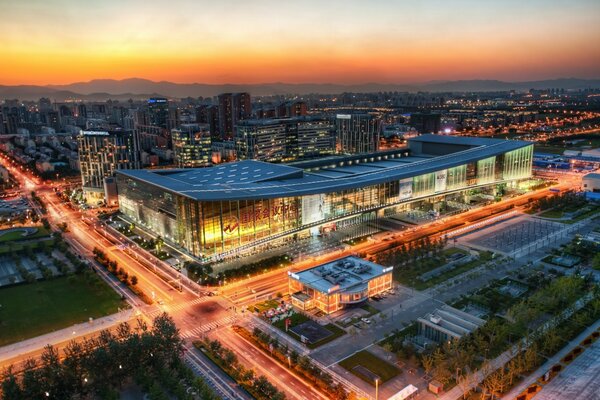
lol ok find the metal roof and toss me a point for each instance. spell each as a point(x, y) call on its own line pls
point(349, 274)
point(252, 180)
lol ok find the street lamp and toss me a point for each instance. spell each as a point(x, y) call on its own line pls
point(377, 388)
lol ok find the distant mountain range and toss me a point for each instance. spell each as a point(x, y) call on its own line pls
point(136, 88)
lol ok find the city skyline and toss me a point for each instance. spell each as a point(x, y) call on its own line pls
point(61, 41)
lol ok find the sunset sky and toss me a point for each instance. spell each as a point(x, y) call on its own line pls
point(245, 41)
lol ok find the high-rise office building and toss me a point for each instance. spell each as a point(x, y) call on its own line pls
point(158, 111)
point(101, 153)
point(292, 109)
point(192, 145)
point(52, 119)
point(233, 107)
point(11, 123)
point(426, 122)
point(2, 122)
point(284, 139)
point(45, 104)
point(357, 133)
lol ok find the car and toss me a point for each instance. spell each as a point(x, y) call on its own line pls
point(366, 320)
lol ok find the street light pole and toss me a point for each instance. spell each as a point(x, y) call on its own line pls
point(377, 389)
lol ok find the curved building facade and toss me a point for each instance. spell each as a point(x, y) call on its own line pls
point(218, 211)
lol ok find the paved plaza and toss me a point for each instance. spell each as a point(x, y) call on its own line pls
point(510, 235)
point(580, 380)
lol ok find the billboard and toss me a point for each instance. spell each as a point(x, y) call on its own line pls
point(406, 188)
point(440, 180)
point(312, 208)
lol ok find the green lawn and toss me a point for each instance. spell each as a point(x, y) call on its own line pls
point(409, 274)
point(552, 214)
point(376, 365)
point(16, 235)
point(266, 305)
point(590, 213)
point(34, 309)
point(16, 246)
point(459, 269)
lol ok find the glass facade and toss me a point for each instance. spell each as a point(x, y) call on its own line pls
point(332, 302)
point(214, 228)
point(192, 146)
point(517, 163)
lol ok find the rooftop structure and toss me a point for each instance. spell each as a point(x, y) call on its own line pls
point(447, 323)
point(333, 285)
point(247, 180)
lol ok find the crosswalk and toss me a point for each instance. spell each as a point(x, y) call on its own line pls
point(209, 327)
point(176, 307)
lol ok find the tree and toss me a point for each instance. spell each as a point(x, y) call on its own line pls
point(465, 382)
point(10, 388)
point(551, 342)
point(134, 280)
point(596, 262)
point(515, 368)
point(247, 376)
point(427, 361)
point(531, 357)
point(158, 243)
point(496, 382)
point(31, 382)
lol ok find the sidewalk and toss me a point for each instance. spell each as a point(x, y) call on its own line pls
point(27, 346)
point(551, 361)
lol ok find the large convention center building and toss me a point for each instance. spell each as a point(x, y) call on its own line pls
point(220, 211)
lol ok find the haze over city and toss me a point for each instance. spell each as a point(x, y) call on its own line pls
point(62, 41)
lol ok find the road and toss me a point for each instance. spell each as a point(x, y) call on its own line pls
point(252, 357)
point(190, 311)
point(249, 291)
point(194, 313)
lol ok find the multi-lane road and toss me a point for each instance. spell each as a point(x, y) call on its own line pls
point(250, 290)
point(197, 314)
point(194, 313)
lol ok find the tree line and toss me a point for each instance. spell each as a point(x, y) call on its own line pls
point(98, 367)
point(258, 386)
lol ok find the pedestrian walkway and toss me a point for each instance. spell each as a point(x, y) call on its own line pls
point(551, 361)
point(198, 331)
point(30, 345)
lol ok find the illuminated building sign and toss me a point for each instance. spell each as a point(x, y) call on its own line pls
point(231, 225)
point(440, 180)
